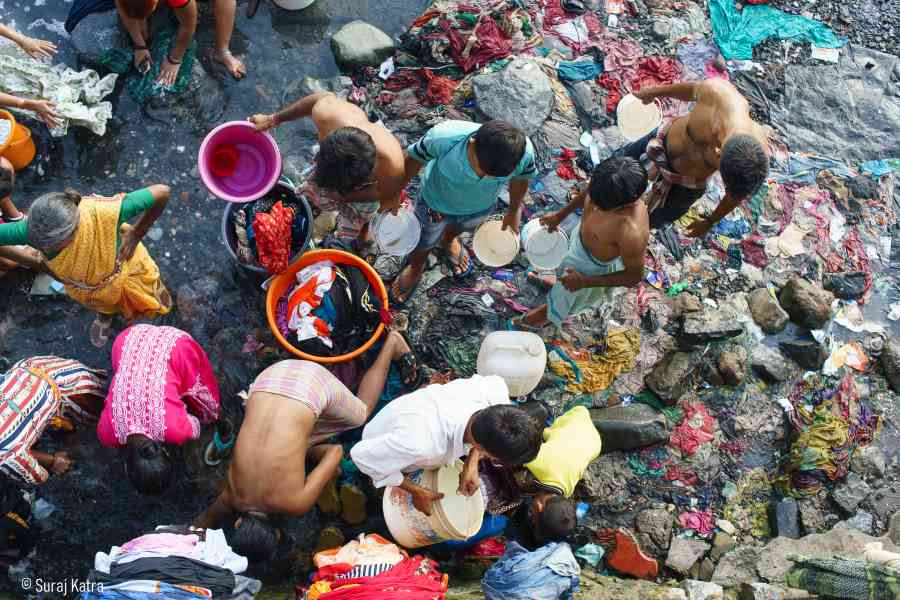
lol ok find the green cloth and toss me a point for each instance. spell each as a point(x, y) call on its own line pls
point(737, 32)
point(673, 414)
point(134, 203)
point(843, 578)
point(143, 87)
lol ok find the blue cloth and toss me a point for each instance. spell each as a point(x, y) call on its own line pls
point(732, 228)
point(877, 168)
point(326, 311)
point(449, 183)
point(167, 591)
point(434, 223)
point(737, 32)
point(805, 167)
point(578, 70)
point(82, 8)
point(549, 573)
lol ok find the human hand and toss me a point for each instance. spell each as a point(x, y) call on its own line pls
point(572, 280)
point(423, 499)
point(61, 463)
point(469, 482)
point(142, 60)
point(699, 228)
point(46, 110)
point(167, 73)
point(264, 122)
point(128, 241)
point(511, 221)
point(645, 95)
point(551, 221)
point(38, 48)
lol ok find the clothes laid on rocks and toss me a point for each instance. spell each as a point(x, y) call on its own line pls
point(424, 429)
point(36, 393)
point(212, 549)
point(450, 185)
point(175, 570)
point(587, 371)
point(843, 578)
point(570, 445)
point(561, 303)
point(548, 573)
point(335, 407)
point(160, 373)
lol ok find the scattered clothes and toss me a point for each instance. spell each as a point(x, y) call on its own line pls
point(588, 373)
point(703, 523)
point(696, 429)
point(369, 549)
point(591, 553)
point(549, 573)
point(843, 578)
point(578, 70)
point(175, 570)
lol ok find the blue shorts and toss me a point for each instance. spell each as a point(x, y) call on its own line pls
point(435, 223)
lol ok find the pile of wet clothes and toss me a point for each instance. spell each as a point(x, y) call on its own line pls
point(271, 230)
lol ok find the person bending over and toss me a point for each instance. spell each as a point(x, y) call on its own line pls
point(294, 407)
point(359, 168)
point(438, 424)
point(606, 250)
point(681, 155)
point(135, 15)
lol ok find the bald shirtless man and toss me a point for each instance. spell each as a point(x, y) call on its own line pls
point(294, 407)
point(360, 166)
point(606, 250)
point(717, 135)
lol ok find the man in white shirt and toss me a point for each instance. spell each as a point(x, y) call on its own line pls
point(436, 425)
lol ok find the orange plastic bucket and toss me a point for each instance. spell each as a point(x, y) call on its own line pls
point(282, 282)
point(19, 148)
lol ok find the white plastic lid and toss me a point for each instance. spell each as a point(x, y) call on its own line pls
point(637, 119)
point(494, 246)
point(397, 235)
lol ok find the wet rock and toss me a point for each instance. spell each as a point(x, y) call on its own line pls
point(603, 480)
point(684, 553)
point(311, 85)
point(707, 568)
point(765, 591)
point(722, 544)
point(520, 94)
point(654, 528)
point(861, 521)
point(732, 365)
point(702, 590)
point(673, 376)
point(660, 30)
point(807, 304)
point(893, 531)
point(809, 354)
point(769, 364)
point(885, 501)
point(786, 517)
point(684, 303)
point(812, 517)
point(630, 427)
point(359, 44)
point(753, 276)
point(766, 311)
point(709, 325)
point(737, 567)
point(846, 286)
point(95, 35)
point(890, 362)
point(849, 495)
point(868, 461)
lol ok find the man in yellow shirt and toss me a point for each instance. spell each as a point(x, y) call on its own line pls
point(570, 445)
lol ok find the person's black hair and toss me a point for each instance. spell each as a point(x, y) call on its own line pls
point(508, 433)
point(744, 165)
point(345, 161)
point(558, 519)
point(148, 465)
point(499, 148)
point(616, 182)
point(6, 181)
point(255, 538)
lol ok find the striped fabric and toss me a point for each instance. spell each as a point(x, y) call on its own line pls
point(33, 392)
point(365, 571)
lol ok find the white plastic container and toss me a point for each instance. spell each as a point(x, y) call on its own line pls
point(545, 250)
point(519, 357)
point(494, 246)
point(293, 4)
point(455, 517)
point(637, 119)
point(397, 235)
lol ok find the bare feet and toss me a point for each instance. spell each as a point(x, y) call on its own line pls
point(399, 346)
point(405, 283)
point(234, 66)
point(458, 257)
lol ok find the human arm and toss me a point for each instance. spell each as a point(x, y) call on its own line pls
point(700, 227)
point(576, 200)
point(25, 256)
point(135, 29)
point(218, 511)
point(300, 109)
point(318, 478)
point(187, 25)
point(632, 254)
point(517, 190)
point(687, 91)
point(132, 236)
point(34, 47)
point(45, 109)
point(422, 498)
point(469, 481)
point(57, 463)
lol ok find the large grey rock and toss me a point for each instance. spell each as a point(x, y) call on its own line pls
point(890, 363)
point(654, 528)
point(765, 591)
point(737, 567)
point(339, 84)
point(723, 543)
point(809, 354)
point(732, 366)
point(861, 521)
point(807, 304)
point(710, 325)
point(684, 303)
point(630, 427)
point(520, 94)
point(885, 501)
point(359, 44)
point(868, 461)
point(684, 554)
point(846, 286)
point(893, 531)
point(766, 311)
point(786, 517)
point(702, 590)
point(673, 376)
point(851, 493)
point(769, 364)
point(95, 36)
point(812, 517)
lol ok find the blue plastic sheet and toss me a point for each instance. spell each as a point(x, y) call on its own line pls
point(578, 70)
point(737, 32)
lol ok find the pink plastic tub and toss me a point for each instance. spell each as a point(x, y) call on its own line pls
point(258, 165)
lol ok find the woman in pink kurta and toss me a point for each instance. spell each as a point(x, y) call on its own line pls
point(163, 390)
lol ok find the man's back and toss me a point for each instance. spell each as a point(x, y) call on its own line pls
point(610, 234)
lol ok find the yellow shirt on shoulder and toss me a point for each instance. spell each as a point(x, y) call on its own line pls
point(570, 445)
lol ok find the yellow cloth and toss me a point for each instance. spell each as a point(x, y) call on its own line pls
point(94, 278)
point(597, 372)
point(317, 589)
point(570, 445)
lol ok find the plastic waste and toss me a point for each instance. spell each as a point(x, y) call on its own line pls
point(519, 357)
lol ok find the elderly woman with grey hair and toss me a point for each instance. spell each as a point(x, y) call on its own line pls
point(87, 244)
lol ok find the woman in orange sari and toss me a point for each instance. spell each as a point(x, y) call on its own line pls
point(87, 244)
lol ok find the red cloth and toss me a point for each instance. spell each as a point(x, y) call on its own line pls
point(273, 237)
point(440, 89)
point(614, 91)
point(491, 44)
point(656, 70)
point(489, 547)
point(414, 578)
point(696, 428)
point(701, 522)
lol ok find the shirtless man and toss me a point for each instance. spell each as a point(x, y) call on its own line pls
point(135, 15)
point(294, 407)
point(360, 165)
point(717, 135)
point(607, 248)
